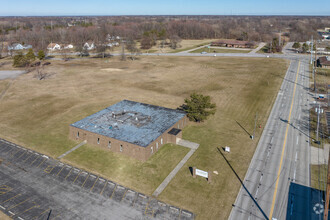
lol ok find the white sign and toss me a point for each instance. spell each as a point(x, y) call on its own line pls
point(202, 173)
point(227, 149)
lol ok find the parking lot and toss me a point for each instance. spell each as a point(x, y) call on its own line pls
point(34, 186)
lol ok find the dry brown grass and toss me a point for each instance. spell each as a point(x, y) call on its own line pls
point(37, 115)
point(3, 216)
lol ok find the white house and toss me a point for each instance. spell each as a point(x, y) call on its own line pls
point(18, 46)
point(53, 46)
point(89, 45)
point(69, 46)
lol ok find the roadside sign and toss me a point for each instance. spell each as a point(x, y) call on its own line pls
point(202, 173)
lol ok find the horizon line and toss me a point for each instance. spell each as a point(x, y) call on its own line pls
point(137, 15)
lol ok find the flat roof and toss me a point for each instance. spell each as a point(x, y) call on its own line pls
point(132, 122)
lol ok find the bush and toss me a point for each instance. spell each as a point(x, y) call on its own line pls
point(20, 60)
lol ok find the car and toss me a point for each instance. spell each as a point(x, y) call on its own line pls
point(204, 52)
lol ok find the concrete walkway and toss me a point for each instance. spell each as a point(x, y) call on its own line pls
point(167, 180)
point(75, 148)
point(261, 45)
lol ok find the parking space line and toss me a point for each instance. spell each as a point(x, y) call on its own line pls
point(30, 209)
point(36, 217)
point(22, 154)
point(60, 170)
point(123, 195)
point(94, 184)
point(77, 177)
point(113, 192)
point(18, 204)
point(103, 187)
point(34, 160)
point(145, 211)
point(41, 162)
point(68, 173)
point(5, 188)
point(10, 198)
point(136, 197)
point(85, 180)
point(27, 158)
point(49, 168)
point(12, 155)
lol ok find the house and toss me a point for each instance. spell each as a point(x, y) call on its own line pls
point(324, 62)
point(232, 43)
point(53, 46)
point(89, 45)
point(18, 46)
point(68, 46)
point(135, 129)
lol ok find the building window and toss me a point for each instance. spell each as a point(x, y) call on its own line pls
point(78, 134)
point(161, 141)
point(121, 148)
point(152, 150)
point(109, 144)
point(98, 140)
point(157, 146)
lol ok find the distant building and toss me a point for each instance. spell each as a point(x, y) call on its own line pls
point(232, 43)
point(324, 62)
point(135, 129)
point(18, 46)
point(89, 45)
point(53, 46)
point(68, 46)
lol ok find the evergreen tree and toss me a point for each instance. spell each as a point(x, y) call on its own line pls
point(41, 55)
point(199, 107)
point(30, 56)
point(296, 45)
point(20, 60)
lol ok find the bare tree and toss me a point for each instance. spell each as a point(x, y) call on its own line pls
point(41, 74)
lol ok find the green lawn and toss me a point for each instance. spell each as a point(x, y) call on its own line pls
point(220, 50)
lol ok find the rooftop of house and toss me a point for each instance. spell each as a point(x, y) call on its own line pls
point(132, 122)
point(325, 61)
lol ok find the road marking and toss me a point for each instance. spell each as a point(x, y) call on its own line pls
point(60, 171)
point(68, 174)
point(294, 175)
point(2, 207)
point(11, 213)
point(123, 195)
point(103, 188)
point(85, 181)
point(29, 209)
point(41, 163)
point(113, 192)
point(296, 157)
point(283, 148)
point(36, 217)
point(18, 204)
point(10, 199)
point(76, 177)
point(297, 140)
point(94, 184)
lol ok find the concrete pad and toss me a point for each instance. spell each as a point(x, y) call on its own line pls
point(10, 74)
point(319, 156)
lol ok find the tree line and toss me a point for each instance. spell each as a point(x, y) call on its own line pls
point(149, 30)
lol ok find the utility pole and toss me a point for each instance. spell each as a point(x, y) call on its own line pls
point(327, 195)
point(312, 50)
point(255, 124)
point(315, 67)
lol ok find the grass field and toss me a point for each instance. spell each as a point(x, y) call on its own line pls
point(37, 115)
point(3, 216)
point(220, 50)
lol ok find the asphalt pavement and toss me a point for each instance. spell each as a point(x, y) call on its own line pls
point(283, 153)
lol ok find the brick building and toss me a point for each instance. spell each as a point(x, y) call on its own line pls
point(232, 43)
point(132, 128)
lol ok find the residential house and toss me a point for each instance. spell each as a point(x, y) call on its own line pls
point(68, 46)
point(53, 46)
point(89, 45)
point(324, 62)
point(18, 46)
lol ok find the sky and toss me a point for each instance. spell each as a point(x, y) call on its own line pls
point(165, 7)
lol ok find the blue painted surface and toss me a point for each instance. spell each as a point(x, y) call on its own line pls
point(135, 122)
point(305, 203)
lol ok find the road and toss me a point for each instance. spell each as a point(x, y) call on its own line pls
point(283, 154)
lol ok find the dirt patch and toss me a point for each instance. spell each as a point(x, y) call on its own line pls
point(112, 70)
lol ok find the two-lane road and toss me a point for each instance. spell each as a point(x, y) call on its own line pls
point(282, 154)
